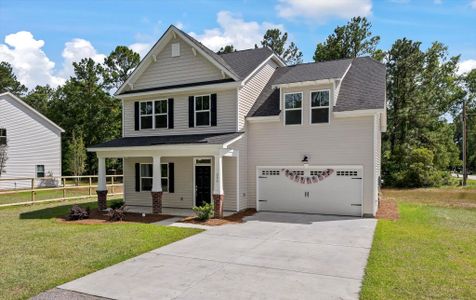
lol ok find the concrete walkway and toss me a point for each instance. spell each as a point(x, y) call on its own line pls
point(271, 256)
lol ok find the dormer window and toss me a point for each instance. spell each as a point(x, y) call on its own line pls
point(320, 106)
point(293, 108)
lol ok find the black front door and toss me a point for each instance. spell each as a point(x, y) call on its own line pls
point(202, 185)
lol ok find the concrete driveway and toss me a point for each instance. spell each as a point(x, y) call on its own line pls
point(271, 256)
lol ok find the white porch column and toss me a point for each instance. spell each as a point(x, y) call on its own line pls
point(156, 174)
point(101, 174)
point(156, 192)
point(218, 186)
point(101, 188)
point(218, 196)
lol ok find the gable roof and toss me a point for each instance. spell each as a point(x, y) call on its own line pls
point(237, 65)
point(34, 111)
point(362, 87)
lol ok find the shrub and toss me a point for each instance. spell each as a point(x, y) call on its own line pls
point(204, 212)
point(78, 213)
point(117, 204)
point(117, 214)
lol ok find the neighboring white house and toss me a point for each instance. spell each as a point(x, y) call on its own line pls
point(247, 131)
point(33, 143)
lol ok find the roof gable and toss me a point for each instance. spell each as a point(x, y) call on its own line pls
point(30, 109)
point(173, 33)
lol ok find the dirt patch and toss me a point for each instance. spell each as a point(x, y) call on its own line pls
point(99, 217)
point(388, 209)
point(231, 219)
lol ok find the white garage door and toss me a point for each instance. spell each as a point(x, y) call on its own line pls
point(326, 190)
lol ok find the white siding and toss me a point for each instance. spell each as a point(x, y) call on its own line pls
point(186, 68)
point(254, 86)
point(241, 146)
point(226, 115)
point(377, 158)
point(31, 141)
point(348, 141)
point(184, 189)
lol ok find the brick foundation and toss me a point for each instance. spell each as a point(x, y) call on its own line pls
point(102, 200)
point(218, 204)
point(156, 202)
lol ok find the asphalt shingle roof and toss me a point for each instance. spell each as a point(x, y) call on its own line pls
point(212, 138)
point(244, 62)
point(363, 86)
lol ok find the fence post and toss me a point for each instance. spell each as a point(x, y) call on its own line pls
point(32, 189)
point(64, 188)
point(90, 183)
point(112, 185)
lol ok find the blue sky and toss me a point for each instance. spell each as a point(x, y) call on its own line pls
point(41, 38)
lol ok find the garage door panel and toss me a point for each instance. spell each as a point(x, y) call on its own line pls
point(339, 193)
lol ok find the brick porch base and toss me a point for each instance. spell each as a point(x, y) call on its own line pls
point(102, 200)
point(218, 204)
point(156, 202)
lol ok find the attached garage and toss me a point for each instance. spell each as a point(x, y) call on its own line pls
point(335, 190)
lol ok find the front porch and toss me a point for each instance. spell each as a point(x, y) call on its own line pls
point(172, 179)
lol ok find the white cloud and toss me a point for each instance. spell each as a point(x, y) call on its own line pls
point(233, 30)
point(322, 10)
point(74, 51)
point(33, 67)
point(438, 1)
point(29, 62)
point(466, 66)
point(473, 4)
point(141, 48)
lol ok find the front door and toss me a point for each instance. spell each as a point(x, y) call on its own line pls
point(202, 185)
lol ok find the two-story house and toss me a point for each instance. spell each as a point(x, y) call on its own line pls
point(32, 143)
point(246, 131)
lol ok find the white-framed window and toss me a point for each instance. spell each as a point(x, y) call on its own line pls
point(154, 114)
point(202, 110)
point(293, 108)
point(161, 113)
point(146, 175)
point(146, 115)
point(320, 106)
point(40, 171)
point(3, 136)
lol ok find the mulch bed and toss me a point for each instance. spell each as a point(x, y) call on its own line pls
point(388, 209)
point(231, 219)
point(99, 217)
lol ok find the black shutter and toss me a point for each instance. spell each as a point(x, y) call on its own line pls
point(171, 113)
point(213, 108)
point(137, 177)
point(191, 112)
point(136, 115)
point(171, 178)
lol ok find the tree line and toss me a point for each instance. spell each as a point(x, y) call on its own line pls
point(424, 91)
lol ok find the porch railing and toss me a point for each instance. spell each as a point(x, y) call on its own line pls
point(20, 191)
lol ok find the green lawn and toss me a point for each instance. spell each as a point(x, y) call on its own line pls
point(430, 252)
point(38, 253)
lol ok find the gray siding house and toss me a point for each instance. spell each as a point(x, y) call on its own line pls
point(243, 130)
point(33, 143)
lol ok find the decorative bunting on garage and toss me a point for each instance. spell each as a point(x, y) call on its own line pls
point(294, 176)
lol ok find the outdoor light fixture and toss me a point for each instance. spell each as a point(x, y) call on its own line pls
point(305, 161)
point(143, 215)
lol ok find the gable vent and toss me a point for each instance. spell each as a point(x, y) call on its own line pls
point(175, 49)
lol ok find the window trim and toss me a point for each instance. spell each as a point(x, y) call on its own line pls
point(3, 136)
point(209, 110)
point(319, 107)
point(140, 176)
point(154, 127)
point(36, 171)
point(291, 109)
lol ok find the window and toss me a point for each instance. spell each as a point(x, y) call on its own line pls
point(146, 175)
point(175, 49)
point(146, 113)
point(154, 114)
point(320, 107)
point(40, 171)
point(3, 136)
point(202, 110)
point(293, 108)
point(161, 114)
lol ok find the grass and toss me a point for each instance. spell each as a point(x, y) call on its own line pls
point(429, 253)
point(39, 253)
